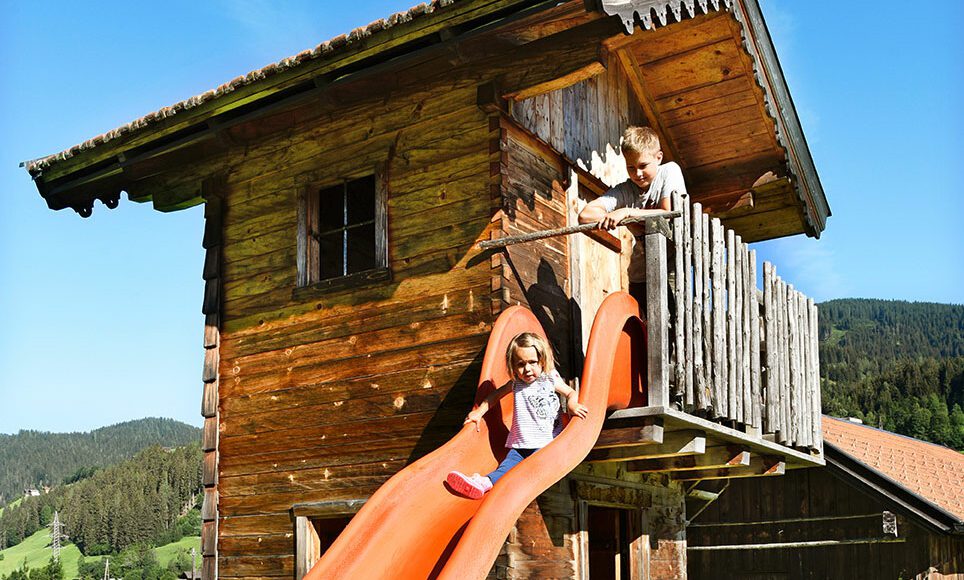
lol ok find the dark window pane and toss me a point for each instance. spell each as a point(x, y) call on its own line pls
point(361, 200)
point(331, 248)
point(331, 208)
point(361, 248)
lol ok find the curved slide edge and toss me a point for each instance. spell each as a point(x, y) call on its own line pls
point(612, 379)
point(412, 522)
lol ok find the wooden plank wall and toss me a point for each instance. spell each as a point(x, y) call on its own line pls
point(812, 494)
point(323, 396)
point(536, 275)
point(585, 122)
point(549, 537)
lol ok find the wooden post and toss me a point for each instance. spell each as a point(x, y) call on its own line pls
point(738, 329)
point(719, 321)
point(699, 303)
point(771, 423)
point(731, 389)
point(657, 320)
point(786, 434)
point(817, 410)
point(747, 289)
point(755, 390)
point(687, 306)
point(707, 321)
point(680, 392)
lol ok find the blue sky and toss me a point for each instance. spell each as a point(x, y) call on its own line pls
point(100, 318)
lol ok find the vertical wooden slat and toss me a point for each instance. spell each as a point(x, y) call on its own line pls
point(785, 390)
point(657, 319)
point(679, 377)
point(772, 416)
point(707, 321)
point(755, 390)
point(747, 287)
point(794, 350)
point(731, 398)
point(688, 306)
point(738, 329)
point(699, 370)
point(817, 410)
point(805, 369)
point(719, 330)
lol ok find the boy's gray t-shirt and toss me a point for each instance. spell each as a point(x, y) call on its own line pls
point(669, 178)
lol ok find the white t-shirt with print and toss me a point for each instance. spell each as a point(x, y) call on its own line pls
point(535, 419)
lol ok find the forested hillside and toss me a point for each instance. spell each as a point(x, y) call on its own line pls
point(32, 458)
point(896, 365)
point(146, 500)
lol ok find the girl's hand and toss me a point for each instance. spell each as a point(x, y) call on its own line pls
point(473, 417)
point(577, 409)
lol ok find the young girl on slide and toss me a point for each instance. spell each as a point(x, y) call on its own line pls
point(535, 420)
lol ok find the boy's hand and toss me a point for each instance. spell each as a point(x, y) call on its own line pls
point(612, 219)
point(577, 409)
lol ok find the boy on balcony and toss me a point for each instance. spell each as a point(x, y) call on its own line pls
point(647, 191)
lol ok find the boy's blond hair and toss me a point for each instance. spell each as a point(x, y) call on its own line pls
point(524, 340)
point(639, 140)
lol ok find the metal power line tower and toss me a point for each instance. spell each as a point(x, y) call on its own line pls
point(56, 531)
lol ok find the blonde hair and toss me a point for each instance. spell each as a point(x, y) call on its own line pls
point(639, 140)
point(525, 340)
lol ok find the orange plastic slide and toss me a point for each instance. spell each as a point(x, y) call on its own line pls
point(415, 527)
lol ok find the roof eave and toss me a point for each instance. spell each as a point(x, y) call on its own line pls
point(877, 484)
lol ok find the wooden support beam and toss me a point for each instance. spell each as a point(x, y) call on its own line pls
point(714, 458)
point(674, 444)
point(759, 467)
point(647, 430)
point(784, 545)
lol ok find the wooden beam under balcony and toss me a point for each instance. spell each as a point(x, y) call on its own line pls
point(759, 467)
point(637, 431)
point(674, 444)
point(724, 457)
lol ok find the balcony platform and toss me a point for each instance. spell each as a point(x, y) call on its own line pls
point(689, 448)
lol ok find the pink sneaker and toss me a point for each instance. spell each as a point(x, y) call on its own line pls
point(471, 486)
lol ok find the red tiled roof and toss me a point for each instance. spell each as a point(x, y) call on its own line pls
point(931, 471)
point(324, 49)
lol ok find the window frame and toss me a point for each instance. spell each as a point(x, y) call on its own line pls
point(309, 251)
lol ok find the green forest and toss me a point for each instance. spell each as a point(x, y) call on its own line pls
point(31, 459)
point(149, 499)
point(895, 365)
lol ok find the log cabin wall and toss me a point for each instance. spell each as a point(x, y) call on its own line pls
point(325, 394)
point(555, 539)
point(819, 507)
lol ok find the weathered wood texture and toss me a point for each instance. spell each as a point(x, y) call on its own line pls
point(323, 395)
point(722, 363)
point(811, 505)
point(550, 539)
point(536, 274)
point(584, 122)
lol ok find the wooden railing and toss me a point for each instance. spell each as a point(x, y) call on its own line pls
point(728, 351)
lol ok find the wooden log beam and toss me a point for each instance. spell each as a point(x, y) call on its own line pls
point(655, 222)
point(784, 545)
point(648, 430)
point(759, 467)
point(715, 458)
point(674, 444)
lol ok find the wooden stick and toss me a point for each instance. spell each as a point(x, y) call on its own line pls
point(654, 222)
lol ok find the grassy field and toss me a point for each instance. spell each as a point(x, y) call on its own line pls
point(36, 549)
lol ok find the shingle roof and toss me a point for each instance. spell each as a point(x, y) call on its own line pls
point(931, 471)
point(323, 50)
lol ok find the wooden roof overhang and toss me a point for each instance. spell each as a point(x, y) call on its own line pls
point(905, 501)
point(704, 71)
